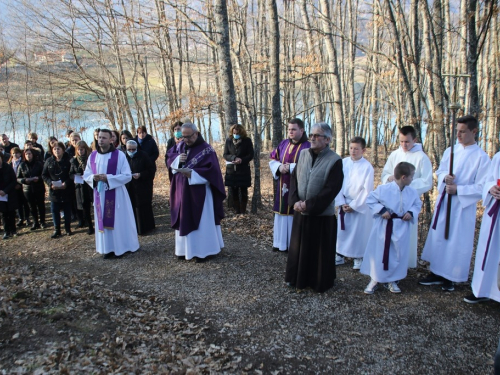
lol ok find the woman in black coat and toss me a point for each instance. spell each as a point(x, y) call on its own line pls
point(61, 189)
point(238, 152)
point(83, 190)
point(147, 144)
point(29, 174)
point(141, 187)
point(8, 208)
point(16, 158)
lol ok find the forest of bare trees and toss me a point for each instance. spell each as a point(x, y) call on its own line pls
point(364, 67)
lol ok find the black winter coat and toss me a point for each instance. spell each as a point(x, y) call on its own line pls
point(238, 175)
point(150, 147)
point(141, 189)
point(83, 191)
point(28, 170)
point(54, 170)
point(8, 184)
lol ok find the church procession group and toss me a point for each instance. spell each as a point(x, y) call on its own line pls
point(325, 209)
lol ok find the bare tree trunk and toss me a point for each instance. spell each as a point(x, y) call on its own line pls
point(274, 69)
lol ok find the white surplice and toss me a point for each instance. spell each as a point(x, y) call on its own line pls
point(282, 223)
point(207, 239)
point(422, 183)
point(357, 185)
point(399, 202)
point(451, 258)
point(123, 237)
point(485, 282)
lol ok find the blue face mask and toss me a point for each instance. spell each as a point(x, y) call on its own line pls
point(131, 154)
point(178, 134)
point(236, 136)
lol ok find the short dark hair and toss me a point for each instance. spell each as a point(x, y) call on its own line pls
point(405, 130)
point(297, 121)
point(68, 132)
point(143, 129)
point(176, 124)
point(105, 131)
point(468, 120)
point(359, 140)
point(28, 141)
point(403, 169)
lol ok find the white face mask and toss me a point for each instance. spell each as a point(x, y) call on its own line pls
point(131, 153)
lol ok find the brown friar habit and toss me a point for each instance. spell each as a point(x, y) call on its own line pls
point(311, 257)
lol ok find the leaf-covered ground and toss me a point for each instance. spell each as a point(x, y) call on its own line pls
point(64, 309)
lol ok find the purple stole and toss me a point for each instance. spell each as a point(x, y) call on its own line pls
point(287, 152)
point(108, 221)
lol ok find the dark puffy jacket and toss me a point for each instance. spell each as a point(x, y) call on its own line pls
point(8, 184)
point(28, 170)
point(54, 170)
point(150, 147)
point(83, 191)
point(238, 175)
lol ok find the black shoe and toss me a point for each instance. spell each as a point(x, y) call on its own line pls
point(14, 234)
point(56, 234)
point(35, 227)
point(69, 233)
point(181, 257)
point(473, 299)
point(20, 223)
point(43, 225)
point(431, 279)
point(91, 231)
point(201, 260)
point(80, 225)
point(28, 222)
point(448, 286)
point(109, 256)
point(275, 249)
point(6, 236)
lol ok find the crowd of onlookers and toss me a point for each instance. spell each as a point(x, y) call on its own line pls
point(28, 171)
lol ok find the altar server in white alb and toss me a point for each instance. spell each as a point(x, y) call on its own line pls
point(395, 206)
point(450, 258)
point(355, 219)
point(412, 152)
point(485, 278)
point(107, 172)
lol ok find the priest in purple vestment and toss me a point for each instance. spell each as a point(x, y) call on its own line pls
point(196, 196)
point(283, 161)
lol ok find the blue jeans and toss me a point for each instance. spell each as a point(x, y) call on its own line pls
point(55, 208)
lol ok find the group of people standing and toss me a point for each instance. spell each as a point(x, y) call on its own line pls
point(378, 228)
point(25, 175)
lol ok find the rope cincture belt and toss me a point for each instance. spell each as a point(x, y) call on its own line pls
point(388, 235)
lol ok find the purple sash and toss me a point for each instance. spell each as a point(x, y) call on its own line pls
point(108, 221)
point(387, 244)
point(493, 213)
point(342, 218)
point(438, 208)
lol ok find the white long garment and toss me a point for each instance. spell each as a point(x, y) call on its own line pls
point(207, 239)
point(123, 237)
point(357, 185)
point(451, 258)
point(399, 202)
point(422, 183)
point(282, 223)
point(484, 282)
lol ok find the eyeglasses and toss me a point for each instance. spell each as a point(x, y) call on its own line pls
point(313, 136)
point(188, 136)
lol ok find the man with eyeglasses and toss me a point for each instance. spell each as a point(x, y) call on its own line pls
point(315, 182)
point(196, 195)
point(283, 161)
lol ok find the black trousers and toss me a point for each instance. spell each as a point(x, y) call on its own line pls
point(36, 202)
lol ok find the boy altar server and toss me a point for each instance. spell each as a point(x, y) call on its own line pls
point(485, 279)
point(395, 206)
point(450, 258)
point(355, 219)
point(412, 152)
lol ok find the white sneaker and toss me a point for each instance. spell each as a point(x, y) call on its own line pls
point(357, 263)
point(339, 259)
point(372, 287)
point(393, 287)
